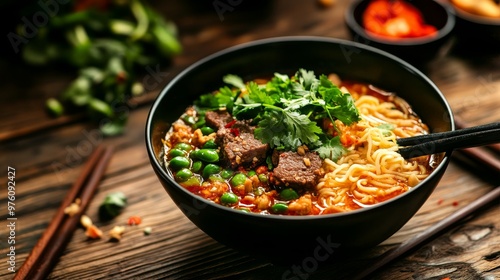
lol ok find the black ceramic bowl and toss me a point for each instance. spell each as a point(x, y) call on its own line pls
point(477, 32)
point(414, 50)
point(304, 235)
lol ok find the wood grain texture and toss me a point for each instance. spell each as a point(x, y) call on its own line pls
point(48, 162)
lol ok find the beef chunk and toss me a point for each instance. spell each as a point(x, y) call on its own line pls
point(239, 146)
point(217, 119)
point(298, 171)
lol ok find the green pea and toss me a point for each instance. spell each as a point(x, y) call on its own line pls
point(206, 130)
point(288, 194)
point(228, 198)
point(210, 144)
point(183, 146)
point(197, 165)
point(176, 153)
point(207, 155)
point(262, 177)
point(210, 169)
point(244, 210)
point(179, 162)
point(279, 208)
point(238, 179)
point(183, 175)
point(226, 174)
point(251, 173)
point(192, 182)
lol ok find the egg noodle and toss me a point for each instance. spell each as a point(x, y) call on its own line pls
point(372, 171)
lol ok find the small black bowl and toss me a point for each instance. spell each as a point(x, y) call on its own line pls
point(414, 50)
point(475, 32)
point(298, 236)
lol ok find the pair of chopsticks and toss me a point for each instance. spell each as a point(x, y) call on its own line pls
point(51, 244)
point(446, 141)
point(478, 154)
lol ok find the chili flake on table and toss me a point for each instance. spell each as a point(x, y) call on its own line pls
point(395, 19)
point(134, 220)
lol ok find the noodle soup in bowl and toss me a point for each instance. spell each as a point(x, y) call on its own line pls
point(251, 145)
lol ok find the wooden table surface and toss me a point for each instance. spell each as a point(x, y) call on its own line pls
point(48, 161)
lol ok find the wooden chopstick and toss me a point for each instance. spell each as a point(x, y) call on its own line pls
point(55, 238)
point(460, 124)
point(480, 155)
point(483, 157)
point(450, 140)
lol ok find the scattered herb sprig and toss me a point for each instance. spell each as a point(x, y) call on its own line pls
point(287, 110)
point(112, 205)
point(109, 44)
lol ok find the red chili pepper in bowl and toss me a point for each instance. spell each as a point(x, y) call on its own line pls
point(395, 19)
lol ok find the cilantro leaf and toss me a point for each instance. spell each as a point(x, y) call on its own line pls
point(287, 110)
point(338, 104)
point(246, 111)
point(234, 81)
point(257, 95)
point(220, 99)
point(331, 149)
point(282, 128)
point(302, 127)
point(386, 128)
point(279, 86)
point(271, 128)
point(306, 78)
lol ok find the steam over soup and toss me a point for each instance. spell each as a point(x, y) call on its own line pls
point(295, 145)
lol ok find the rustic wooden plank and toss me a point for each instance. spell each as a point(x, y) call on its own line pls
point(176, 243)
point(47, 163)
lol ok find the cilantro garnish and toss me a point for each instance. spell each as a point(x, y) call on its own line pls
point(287, 110)
point(221, 99)
point(386, 128)
point(331, 149)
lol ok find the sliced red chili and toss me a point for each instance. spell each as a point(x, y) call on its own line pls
point(235, 131)
point(395, 19)
point(230, 124)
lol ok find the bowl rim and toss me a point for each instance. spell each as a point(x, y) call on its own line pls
point(358, 29)
point(283, 39)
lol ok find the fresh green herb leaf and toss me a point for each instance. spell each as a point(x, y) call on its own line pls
point(287, 109)
point(306, 78)
point(256, 95)
point(234, 80)
point(107, 48)
point(112, 206)
point(332, 149)
point(301, 127)
point(246, 111)
point(271, 128)
point(54, 106)
point(220, 99)
point(386, 128)
point(338, 104)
